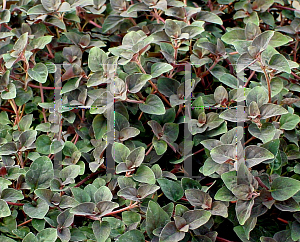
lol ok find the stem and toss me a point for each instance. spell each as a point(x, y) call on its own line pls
point(148, 151)
point(152, 84)
point(219, 239)
point(295, 48)
point(199, 151)
point(26, 222)
point(249, 79)
point(50, 51)
point(261, 183)
point(43, 100)
point(15, 204)
point(268, 80)
point(46, 88)
point(87, 178)
point(287, 8)
point(134, 101)
point(95, 24)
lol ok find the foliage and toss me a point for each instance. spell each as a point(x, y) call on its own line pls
point(243, 122)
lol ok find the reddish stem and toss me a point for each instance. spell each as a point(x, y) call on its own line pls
point(15, 204)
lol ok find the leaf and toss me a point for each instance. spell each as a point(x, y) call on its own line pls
point(38, 210)
point(47, 235)
point(4, 209)
point(170, 233)
point(266, 133)
point(209, 17)
point(41, 42)
point(262, 40)
point(233, 35)
point(99, 126)
point(172, 29)
point(160, 146)
point(198, 198)
point(10, 194)
point(279, 62)
point(237, 114)
point(244, 61)
point(270, 110)
point(136, 157)
point(196, 218)
point(167, 86)
point(283, 188)
point(39, 73)
point(132, 235)
point(97, 58)
point(8, 148)
point(222, 153)
point(27, 138)
point(119, 152)
point(159, 68)
point(51, 5)
point(101, 230)
point(258, 95)
point(10, 93)
point(243, 210)
point(136, 81)
point(289, 121)
point(40, 173)
point(111, 21)
point(65, 219)
point(85, 208)
point(171, 189)
point(279, 39)
point(254, 155)
point(144, 174)
point(229, 80)
point(103, 194)
point(153, 105)
point(156, 217)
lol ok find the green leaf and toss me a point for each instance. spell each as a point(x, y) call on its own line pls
point(170, 233)
point(38, 210)
point(47, 235)
point(41, 42)
point(266, 133)
point(10, 93)
point(39, 73)
point(43, 144)
point(132, 235)
point(270, 110)
point(4, 209)
point(283, 188)
point(198, 198)
point(12, 195)
point(27, 138)
point(171, 189)
point(222, 153)
point(279, 39)
point(289, 121)
point(144, 174)
point(40, 173)
point(159, 68)
point(153, 105)
point(120, 152)
point(160, 146)
point(209, 17)
point(101, 230)
point(99, 126)
point(111, 21)
point(196, 218)
point(173, 30)
point(97, 58)
point(156, 217)
point(279, 62)
point(254, 155)
point(233, 35)
point(243, 210)
point(136, 81)
point(103, 194)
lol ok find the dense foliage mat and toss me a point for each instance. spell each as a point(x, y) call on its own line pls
point(218, 78)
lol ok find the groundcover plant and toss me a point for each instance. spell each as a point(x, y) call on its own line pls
point(149, 120)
